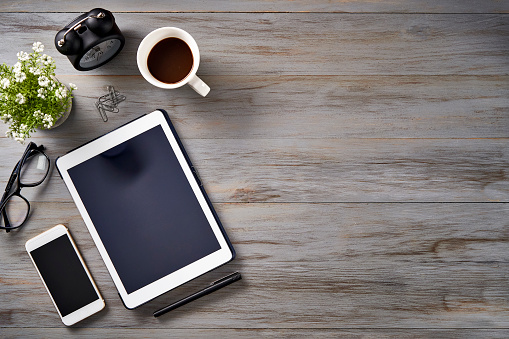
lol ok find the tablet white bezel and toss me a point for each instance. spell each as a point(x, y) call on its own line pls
point(172, 280)
point(47, 237)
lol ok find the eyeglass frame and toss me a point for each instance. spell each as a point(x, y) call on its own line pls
point(16, 178)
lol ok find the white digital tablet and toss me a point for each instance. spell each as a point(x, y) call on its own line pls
point(145, 208)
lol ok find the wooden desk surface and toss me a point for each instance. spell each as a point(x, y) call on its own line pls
point(356, 152)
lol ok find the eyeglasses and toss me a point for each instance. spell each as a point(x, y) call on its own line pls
point(30, 171)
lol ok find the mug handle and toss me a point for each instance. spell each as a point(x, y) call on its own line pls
point(199, 86)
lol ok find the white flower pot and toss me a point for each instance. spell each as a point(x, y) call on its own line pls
point(64, 117)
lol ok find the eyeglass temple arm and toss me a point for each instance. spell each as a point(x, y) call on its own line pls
point(6, 221)
point(11, 181)
point(12, 178)
point(4, 196)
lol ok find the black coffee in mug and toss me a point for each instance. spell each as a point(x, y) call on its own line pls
point(170, 60)
point(168, 57)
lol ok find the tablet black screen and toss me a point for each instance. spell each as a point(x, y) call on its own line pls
point(144, 209)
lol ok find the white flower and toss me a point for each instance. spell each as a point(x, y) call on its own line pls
point(38, 114)
point(73, 86)
point(61, 92)
point(35, 70)
point(20, 99)
point(17, 136)
point(46, 59)
point(19, 77)
point(43, 81)
point(8, 134)
point(38, 47)
point(41, 92)
point(47, 120)
point(5, 83)
point(22, 56)
point(6, 118)
point(17, 67)
point(23, 133)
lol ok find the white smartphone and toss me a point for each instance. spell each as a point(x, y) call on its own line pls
point(64, 275)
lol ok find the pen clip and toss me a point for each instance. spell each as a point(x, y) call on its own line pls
point(224, 278)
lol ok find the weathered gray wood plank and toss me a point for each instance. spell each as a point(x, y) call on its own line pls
point(323, 170)
point(298, 43)
point(399, 6)
point(306, 266)
point(255, 333)
point(305, 107)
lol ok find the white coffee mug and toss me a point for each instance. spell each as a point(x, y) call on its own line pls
point(151, 40)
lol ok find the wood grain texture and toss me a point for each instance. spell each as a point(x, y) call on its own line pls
point(257, 333)
point(297, 43)
point(326, 170)
point(356, 265)
point(258, 107)
point(394, 6)
point(356, 153)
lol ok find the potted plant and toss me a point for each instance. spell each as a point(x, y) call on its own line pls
point(30, 95)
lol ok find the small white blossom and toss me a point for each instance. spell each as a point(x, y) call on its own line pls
point(5, 83)
point(73, 86)
point(38, 114)
point(20, 99)
point(43, 81)
point(35, 70)
point(17, 67)
point(20, 76)
point(6, 118)
point(41, 93)
point(8, 134)
point(61, 92)
point(22, 56)
point(38, 47)
point(18, 137)
point(48, 121)
point(23, 131)
point(46, 59)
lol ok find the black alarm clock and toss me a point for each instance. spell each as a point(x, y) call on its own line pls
point(90, 40)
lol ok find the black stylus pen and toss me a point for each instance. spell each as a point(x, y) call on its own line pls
point(213, 287)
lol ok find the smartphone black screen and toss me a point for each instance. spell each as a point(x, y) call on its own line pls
point(64, 275)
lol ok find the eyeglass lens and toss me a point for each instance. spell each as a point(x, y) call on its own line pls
point(16, 210)
point(34, 169)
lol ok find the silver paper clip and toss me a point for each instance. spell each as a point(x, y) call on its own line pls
point(109, 102)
